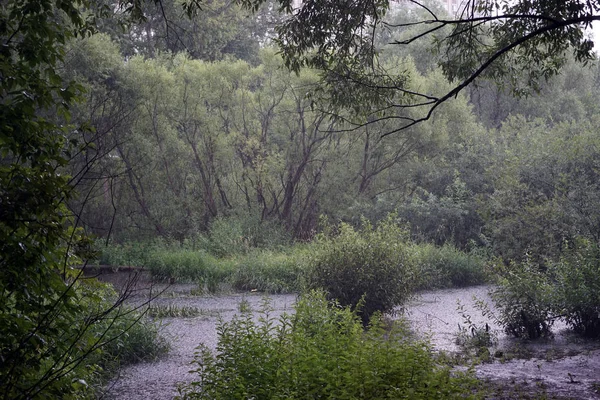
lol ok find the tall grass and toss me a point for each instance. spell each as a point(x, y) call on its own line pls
point(268, 271)
point(280, 269)
point(446, 266)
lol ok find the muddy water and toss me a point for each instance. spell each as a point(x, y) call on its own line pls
point(564, 366)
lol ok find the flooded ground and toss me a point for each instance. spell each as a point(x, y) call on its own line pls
point(564, 367)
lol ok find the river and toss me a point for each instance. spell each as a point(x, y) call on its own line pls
point(564, 366)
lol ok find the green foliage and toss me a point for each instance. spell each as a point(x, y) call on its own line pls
point(240, 234)
point(125, 254)
point(474, 337)
point(185, 265)
point(272, 272)
point(530, 299)
point(175, 311)
point(446, 266)
point(47, 317)
point(577, 286)
point(128, 337)
point(545, 188)
point(289, 269)
point(320, 352)
point(366, 269)
point(525, 300)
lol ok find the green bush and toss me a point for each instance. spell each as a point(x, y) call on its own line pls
point(577, 281)
point(446, 266)
point(368, 267)
point(525, 299)
point(321, 352)
point(240, 234)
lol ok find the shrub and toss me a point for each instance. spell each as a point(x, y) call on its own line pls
point(367, 267)
point(130, 337)
point(578, 288)
point(472, 337)
point(321, 352)
point(525, 300)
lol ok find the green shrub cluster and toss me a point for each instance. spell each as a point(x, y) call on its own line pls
point(321, 352)
point(367, 267)
point(577, 286)
point(530, 298)
point(524, 299)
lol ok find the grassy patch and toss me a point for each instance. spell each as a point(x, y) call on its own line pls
point(267, 271)
point(446, 266)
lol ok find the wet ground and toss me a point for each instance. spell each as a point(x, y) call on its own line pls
point(564, 367)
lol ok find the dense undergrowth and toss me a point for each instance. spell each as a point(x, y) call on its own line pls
point(322, 351)
point(278, 266)
point(75, 361)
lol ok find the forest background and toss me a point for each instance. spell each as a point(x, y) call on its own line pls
point(198, 122)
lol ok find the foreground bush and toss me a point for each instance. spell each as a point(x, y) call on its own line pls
point(322, 352)
point(369, 267)
point(72, 358)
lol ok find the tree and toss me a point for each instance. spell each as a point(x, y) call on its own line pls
point(47, 316)
point(525, 41)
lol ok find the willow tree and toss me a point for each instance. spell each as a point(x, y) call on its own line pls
point(524, 42)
